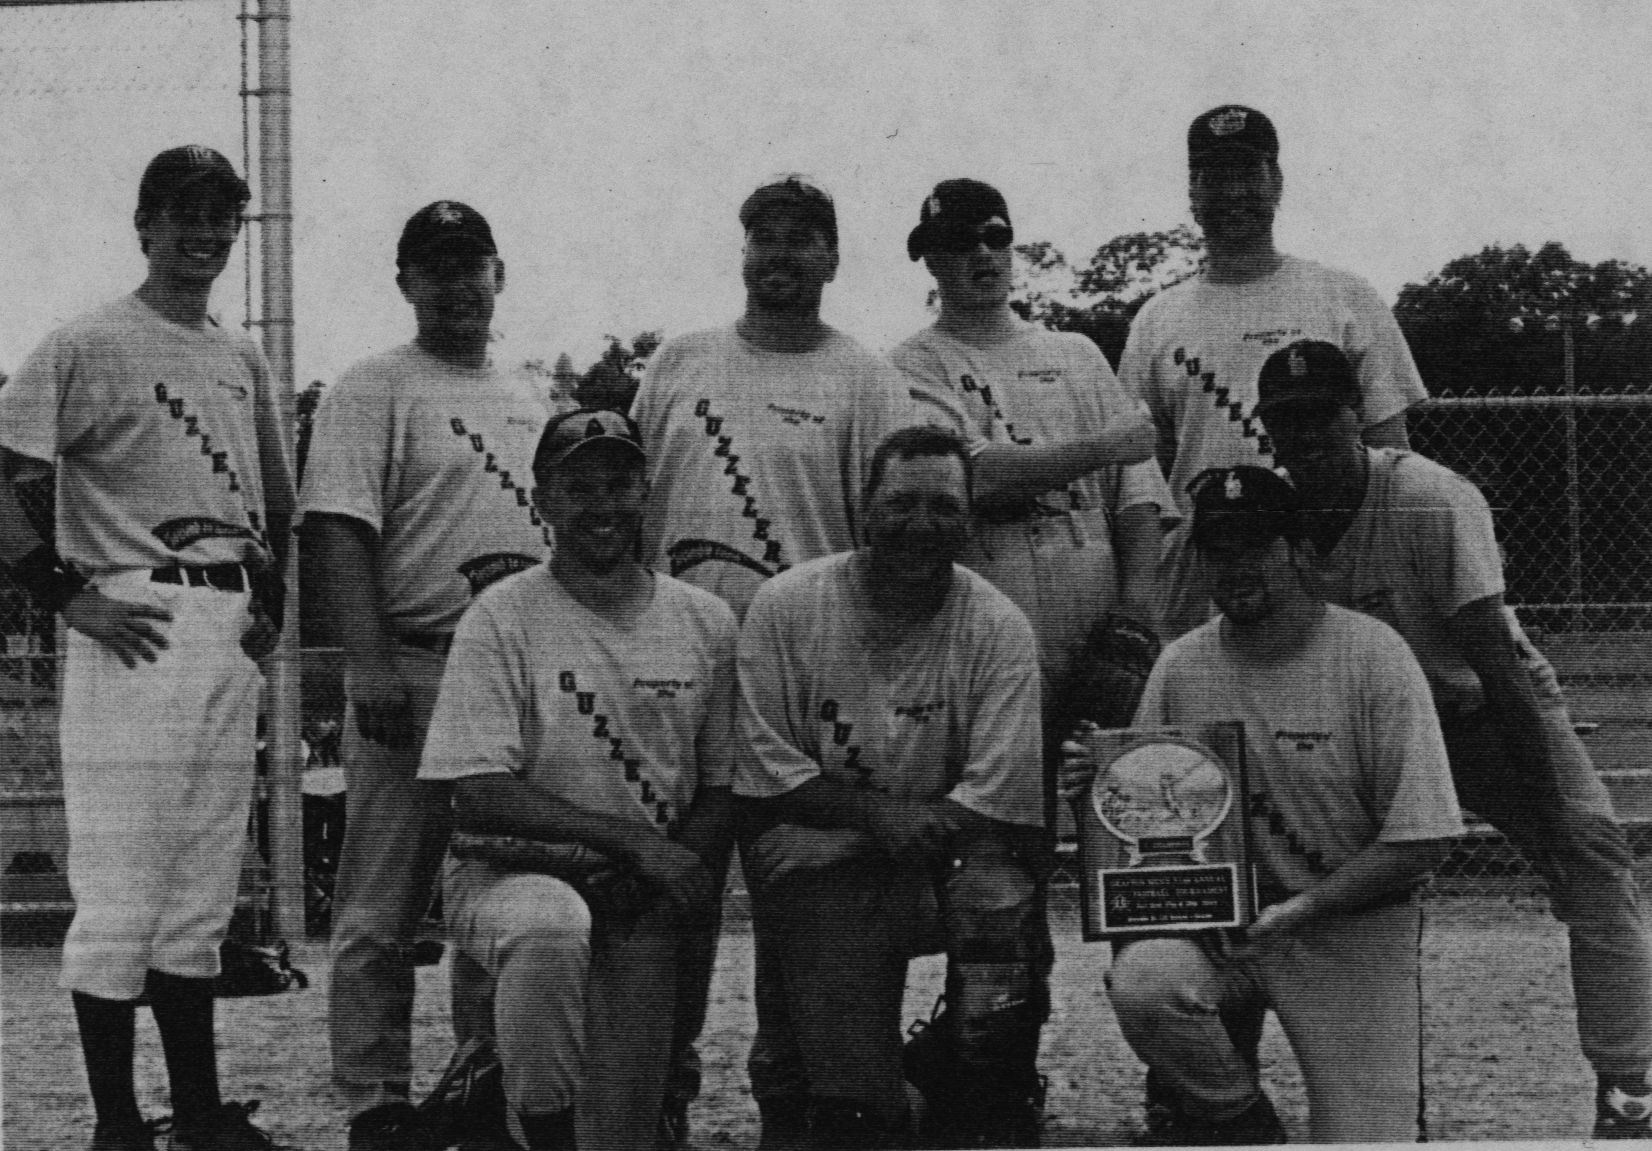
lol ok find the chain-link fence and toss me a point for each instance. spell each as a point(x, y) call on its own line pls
point(1570, 483)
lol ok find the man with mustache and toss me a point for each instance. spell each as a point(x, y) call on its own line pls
point(1411, 543)
point(759, 435)
point(161, 546)
point(890, 743)
point(416, 497)
point(1195, 349)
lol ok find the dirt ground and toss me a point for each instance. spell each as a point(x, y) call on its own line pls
point(1502, 1061)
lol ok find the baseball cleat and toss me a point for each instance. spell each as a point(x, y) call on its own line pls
point(1256, 1124)
point(1622, 1115)
point(393, 1126)
point(135, 1136)
point(227, 1127)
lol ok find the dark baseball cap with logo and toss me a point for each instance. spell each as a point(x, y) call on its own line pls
point(178, 168)
point(1242, 506)
point(1232, 126)
point(957, 209)
point(444, 230)
point(572, 431)
point(1309, 376)
point(798, 192)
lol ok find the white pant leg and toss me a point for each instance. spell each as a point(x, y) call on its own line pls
point(157, 779)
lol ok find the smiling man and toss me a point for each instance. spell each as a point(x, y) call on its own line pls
point(889, 725)
point(1351, 806)
point(584, 721)
point(416, 497)
point(162, 550)
point(759, 436)
point(1195, 349)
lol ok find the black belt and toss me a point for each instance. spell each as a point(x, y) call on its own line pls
point(223, 577)
point(433, 641)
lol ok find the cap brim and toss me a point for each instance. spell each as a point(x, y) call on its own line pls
point(1306, 405)
point(594, 441)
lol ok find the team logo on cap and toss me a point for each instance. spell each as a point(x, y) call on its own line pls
point(1299, 364)
point(932, 207)
point(198, 155)
point(1232, 488)
point(594, 428)
point(1227, 122)
point(446, 213)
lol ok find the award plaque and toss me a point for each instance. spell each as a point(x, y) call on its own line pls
point(1162, 835)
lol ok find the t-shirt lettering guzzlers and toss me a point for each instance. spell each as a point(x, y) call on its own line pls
point(438, 460)
point(757, 458)
point(167, 439)
point(1195, 352)
point(949, 710)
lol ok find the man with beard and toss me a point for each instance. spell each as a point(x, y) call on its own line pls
point(759, 435)
point(890, 743)
point(1195, 349)
point(585, 714)
point(1351, 807)
point(416, 497)
point(1411, 543)
point(171, 508)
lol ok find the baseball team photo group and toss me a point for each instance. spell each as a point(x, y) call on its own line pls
point(897, 679)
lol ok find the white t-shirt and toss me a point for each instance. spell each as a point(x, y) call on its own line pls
point(438, 460)
point(628, 721)
point(1342, 746)
point(951, 710)
point(1040, 387)
point(1419, 550)
point(167, 439)
point(1195, 352)
point(757, 458)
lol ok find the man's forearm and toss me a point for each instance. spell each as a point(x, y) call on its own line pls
point(348, 557)
point(19, 534)
point(1139, 543)
point(708, 828)
point(503, 804)
point(1375, 871)
point(820, 802)
point(1006, 472)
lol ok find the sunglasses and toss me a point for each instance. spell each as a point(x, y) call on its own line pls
point(962, 241)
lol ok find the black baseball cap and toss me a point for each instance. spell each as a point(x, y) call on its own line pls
point(1231, 126)
point(1308, 376)
point(955, 206)
point(444, 229)
point(1243, 505)
point(797, 191)
point(571, 431)
point(178, 168)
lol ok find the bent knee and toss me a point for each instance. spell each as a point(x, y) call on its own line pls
point(1157, 975)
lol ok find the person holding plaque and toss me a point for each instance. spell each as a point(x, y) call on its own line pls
point(1351, 806)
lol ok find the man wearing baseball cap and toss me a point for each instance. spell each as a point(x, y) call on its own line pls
point(1411, 542)
point(1351, 807)
point(1195, 349)
point(1068, 503)
point(416, 497)
point(161, 547)
point(759, 436)
point(584, 724)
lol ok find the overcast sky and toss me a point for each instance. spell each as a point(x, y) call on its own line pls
point(610, 143)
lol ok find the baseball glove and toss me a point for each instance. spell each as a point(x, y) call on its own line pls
point(613, 893)
point(1108, 674)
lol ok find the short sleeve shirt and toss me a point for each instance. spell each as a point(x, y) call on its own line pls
point(950, 710)
point(1419, 550)
point(757, 458)
point(438, 460)
point(1342, 745)
point(167, 439)
point(629, 721)
point(1195, 352)
point(1040, 387)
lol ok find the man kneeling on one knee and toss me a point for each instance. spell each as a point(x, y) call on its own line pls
point(585, 713)
point(1351, 805)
